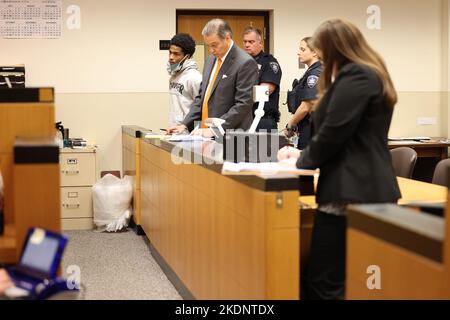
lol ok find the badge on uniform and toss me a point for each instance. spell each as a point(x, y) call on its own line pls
point(275, 67)
point(312, 81)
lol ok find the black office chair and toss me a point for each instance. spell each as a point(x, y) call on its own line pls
point(403, 160)
point(440, 175)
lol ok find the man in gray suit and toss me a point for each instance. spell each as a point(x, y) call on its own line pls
point(226, 91)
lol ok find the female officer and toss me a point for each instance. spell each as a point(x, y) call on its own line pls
point(305, 93)
point(349, 145)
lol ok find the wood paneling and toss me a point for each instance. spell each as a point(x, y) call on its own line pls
point(131, 166)
point(31, 191)
point(26, 120)
point(20, 120)
point(6, 160)
point(283, 238)
point(223, 239)
point(37, 198)
point(194, 24)
point(8, 245)
point(404, 275)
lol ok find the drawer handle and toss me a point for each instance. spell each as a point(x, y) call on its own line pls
point(70, 172)
point(71, 206)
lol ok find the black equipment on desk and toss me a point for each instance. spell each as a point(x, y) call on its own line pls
point(12, 77)
point(77, 142)
point(240, 146)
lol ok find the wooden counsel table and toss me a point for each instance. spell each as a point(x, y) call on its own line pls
point(30, 166)
point(219, 237)
point(407, 245)
point(226, 237)
point(412, 191)
point(418, 191)
point(397, 253)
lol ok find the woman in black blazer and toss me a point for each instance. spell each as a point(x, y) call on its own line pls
point(349, 146)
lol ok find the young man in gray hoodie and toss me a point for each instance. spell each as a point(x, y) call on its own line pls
point(185, 79)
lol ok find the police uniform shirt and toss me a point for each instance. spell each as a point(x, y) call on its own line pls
point(307, 90)
point(307, 86)
point(269, 72)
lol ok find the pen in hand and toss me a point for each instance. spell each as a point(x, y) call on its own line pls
point(196, 127)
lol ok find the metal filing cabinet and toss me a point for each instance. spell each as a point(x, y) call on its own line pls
point(78, 175)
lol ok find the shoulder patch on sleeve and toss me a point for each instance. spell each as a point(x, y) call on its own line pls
point(312, 81)
point(274, 66)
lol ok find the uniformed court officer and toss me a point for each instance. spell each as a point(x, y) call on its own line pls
point(305, 94)
point(269, 75)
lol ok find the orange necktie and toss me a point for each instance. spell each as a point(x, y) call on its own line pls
point(208, 93)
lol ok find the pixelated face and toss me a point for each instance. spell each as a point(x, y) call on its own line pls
point(253, 44)
point(305, 54)
point(176, 54)
point(217, 46)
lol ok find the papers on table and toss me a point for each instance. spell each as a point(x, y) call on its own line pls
point(187, 137)
point(418, 138)
point(157, 136)
point(263, 168)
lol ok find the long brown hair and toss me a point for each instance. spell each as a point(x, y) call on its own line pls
point(341, 42)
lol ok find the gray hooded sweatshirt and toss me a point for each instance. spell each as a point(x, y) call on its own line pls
point(183, 88)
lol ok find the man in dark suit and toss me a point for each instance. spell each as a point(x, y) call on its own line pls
point(226, 91)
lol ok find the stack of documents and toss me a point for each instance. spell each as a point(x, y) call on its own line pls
point(263, 168)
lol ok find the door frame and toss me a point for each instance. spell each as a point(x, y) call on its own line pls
point(265, 14)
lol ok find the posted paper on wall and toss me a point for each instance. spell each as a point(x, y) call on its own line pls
point(30, 19)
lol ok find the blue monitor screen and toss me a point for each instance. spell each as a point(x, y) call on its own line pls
point(40, 256)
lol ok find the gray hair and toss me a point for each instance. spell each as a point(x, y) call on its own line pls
point(255, 30)
point(219, 27)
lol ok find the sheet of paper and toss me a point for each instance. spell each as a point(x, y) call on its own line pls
point(263, 168)
point(176, 137)
point(409, 138)
point(157, 136)
point(187, 137)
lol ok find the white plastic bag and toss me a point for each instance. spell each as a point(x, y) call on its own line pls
point(112, 202)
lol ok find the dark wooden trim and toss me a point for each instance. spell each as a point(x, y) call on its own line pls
point(19, 95)
point(137, 228)
point(27, 151)
point(237, 12)
point(268, 33)
point(183, 291)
